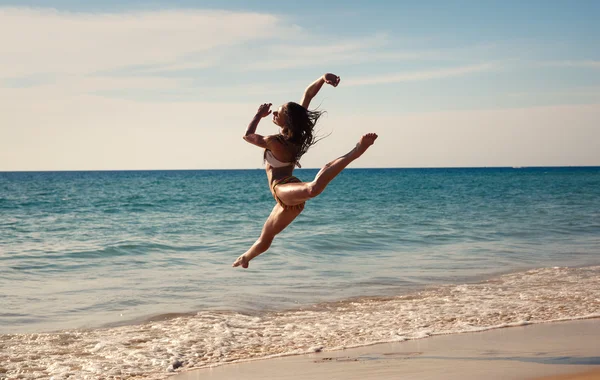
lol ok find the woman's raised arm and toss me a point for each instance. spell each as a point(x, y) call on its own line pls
point(312, 90)
point(250, 135)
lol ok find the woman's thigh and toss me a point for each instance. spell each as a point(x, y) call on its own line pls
point(279, 219)
point(293, 194)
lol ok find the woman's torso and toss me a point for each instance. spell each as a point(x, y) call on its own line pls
point(274, 174)
point(285, 153)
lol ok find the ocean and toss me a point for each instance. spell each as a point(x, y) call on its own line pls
point(126, 273)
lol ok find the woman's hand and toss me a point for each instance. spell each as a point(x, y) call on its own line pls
point(264, 110)
point(331, 79)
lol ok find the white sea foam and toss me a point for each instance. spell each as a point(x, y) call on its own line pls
point(149, 350)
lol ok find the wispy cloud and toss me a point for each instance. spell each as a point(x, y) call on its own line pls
point(357, 50)
point(160, 50)
point(80, 43)
point(422, 75)
point(581, 63)
point(166, 52)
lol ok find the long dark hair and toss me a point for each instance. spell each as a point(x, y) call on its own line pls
point(300, 124)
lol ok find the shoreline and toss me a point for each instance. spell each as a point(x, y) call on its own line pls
point(144, 319)
point(544, 351)
point(587, 375)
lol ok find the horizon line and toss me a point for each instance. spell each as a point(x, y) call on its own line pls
point(316, 168)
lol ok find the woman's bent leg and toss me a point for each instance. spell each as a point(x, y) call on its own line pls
point(296, 193)
point(279, 219)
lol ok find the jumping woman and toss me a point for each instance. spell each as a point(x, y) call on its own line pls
point(283, 152)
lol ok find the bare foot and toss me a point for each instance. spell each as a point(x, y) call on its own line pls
point(365, 142)
point(240, 261)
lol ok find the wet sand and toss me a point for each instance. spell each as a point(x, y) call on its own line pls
point(549, 351)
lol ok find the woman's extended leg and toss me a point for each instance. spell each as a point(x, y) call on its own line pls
point(295, 193)
point(279, 219)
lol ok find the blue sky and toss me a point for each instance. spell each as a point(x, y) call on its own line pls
point(171, 85)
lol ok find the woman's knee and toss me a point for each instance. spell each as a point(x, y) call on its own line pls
point(315, 188)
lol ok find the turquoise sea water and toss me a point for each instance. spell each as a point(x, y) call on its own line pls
point(97, 250)
point(88, 248)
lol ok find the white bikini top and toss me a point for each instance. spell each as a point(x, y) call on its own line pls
point(274, 162)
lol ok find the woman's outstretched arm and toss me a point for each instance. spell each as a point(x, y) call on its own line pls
point(312, 90)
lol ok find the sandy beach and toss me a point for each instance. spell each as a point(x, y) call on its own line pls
point(550, 351)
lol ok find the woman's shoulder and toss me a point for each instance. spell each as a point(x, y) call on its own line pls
point(276, 142)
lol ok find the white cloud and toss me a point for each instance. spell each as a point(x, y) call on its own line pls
point(49, 41)
point(147, 42)
point(421, 75)
point(151, 51)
